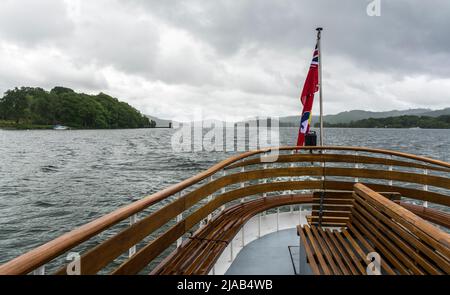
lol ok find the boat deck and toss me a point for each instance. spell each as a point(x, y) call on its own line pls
point(208, 219)
point(210, 248)
point(270, 255)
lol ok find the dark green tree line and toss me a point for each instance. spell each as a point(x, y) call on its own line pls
point(66, 107)
point(441, 122)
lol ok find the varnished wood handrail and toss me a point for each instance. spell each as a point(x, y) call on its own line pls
point(48, 251)
point(45, 253)
point(370, 150)
point(338, 158)
point(99, 256)
point(435, 216)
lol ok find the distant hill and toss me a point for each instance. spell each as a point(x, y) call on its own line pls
point(406, 121)
point(356, 115)
point(437, 113)
point(340, 118)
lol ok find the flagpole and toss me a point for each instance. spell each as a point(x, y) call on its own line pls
point(320, 83)
point(322, 193)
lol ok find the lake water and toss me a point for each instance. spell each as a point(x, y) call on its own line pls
point(52, 181)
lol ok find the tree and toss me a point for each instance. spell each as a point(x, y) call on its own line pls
point(64, 106)
point(15, 103)
point(58, 90)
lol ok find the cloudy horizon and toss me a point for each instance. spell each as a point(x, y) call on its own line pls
point(231, 59)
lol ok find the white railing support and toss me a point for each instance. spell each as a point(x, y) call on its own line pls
point(133, 220)
point(210, 197)
point(242, 185)
point(356, 166)
point(265, 180)
point(223, 190)
point(259, 225)
point(300, 207)
point(180, 239)
point(292, 178)
point(390, 169)
point(278, 218)
point(231, 250)
point(323, 165)
point(425, 188)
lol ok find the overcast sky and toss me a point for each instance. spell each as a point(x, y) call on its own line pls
point(233, 58)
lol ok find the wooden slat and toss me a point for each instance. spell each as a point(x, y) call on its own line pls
point(362, 254)
point(388, 239)
point(341, 195)
point(308, 250)
point(150, 251)
point(350, 252)
point(101, 255)
point(331, 213)
point(383, 264)
point(333, 202)
point(340, 220)
point(409, 177)
point(365, 228)
point(349, 267)
point(435, 216)
point(426, 231)
point(410, 238)
point(317, 251)
point(334, 253)
point(405, 192)
point(325, 251)
point(370, 150)
point(371, 214)
point(333, 207)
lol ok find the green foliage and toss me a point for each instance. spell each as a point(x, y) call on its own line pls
point(35, 106)
point(441, 122)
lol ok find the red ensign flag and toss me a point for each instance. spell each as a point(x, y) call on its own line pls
point(310, 87)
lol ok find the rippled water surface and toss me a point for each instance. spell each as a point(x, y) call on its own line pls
point(52, 181)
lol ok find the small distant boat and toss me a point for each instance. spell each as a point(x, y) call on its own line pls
point(60, 127)
point(414, 128)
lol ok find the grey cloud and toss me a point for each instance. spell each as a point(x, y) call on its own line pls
point(114, 38)
point(32, 22)
point(232, 57)
point(398, 40)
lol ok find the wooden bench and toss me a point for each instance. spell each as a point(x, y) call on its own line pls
point(199, 253)
point(406, 243)
point(336, 207)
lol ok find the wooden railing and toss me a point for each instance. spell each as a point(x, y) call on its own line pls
point(192, 202)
